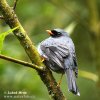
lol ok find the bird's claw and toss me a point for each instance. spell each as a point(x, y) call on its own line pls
point(42, 60)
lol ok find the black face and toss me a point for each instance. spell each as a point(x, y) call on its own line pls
point(55, 33)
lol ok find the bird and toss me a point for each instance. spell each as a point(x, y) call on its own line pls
point(58, 52)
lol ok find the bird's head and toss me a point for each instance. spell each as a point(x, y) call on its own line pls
point(57, 33)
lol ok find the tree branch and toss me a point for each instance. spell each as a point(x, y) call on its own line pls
point(15, 4)
point(46, 76)
point(21, 62)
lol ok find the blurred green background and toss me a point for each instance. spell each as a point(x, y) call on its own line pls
point(81, 18)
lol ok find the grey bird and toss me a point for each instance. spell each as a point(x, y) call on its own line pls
point(59, 53)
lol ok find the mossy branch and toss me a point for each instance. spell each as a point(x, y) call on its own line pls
point(46, 76)
point(21, 62)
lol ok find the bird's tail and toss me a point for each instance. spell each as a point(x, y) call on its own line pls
point(72, 87)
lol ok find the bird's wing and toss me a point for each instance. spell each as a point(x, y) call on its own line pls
point(75, 64)
point(56, 53)
point(72, 60)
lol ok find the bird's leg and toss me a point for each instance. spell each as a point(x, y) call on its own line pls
point(59, 82)
point(42, 59)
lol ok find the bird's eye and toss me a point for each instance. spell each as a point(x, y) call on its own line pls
point(59, 33)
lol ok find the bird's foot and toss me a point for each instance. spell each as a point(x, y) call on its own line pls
point(42, 60)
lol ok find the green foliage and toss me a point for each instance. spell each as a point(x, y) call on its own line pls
point(70, 28)
point(89, 75)
point(3, 35)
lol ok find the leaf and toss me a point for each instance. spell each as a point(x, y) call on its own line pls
point(70, 28)
point(89, 75)
point(3, 35)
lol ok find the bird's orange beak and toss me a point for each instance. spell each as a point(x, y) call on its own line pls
point(49, 32)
